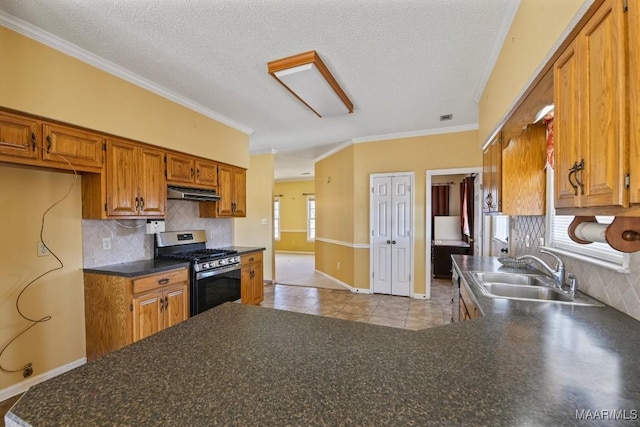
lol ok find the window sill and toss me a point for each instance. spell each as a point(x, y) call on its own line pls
point(600, 263)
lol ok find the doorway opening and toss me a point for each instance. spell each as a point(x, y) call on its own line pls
point(446, 176)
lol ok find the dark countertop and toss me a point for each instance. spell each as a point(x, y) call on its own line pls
point(137, 268)
point(523, 363)
point(150, 266)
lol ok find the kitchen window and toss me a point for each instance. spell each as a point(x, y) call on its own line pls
point(558, 239)
point(311, 218)
point(276, 218)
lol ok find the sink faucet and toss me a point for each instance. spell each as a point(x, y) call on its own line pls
point(558, 273)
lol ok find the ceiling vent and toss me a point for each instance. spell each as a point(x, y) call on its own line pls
point(446, 117)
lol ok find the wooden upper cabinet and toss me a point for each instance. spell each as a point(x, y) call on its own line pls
point(523, 189)
point(188, 170)
point(135, 182)
point(591, 128)
point(633, 13)
point(232, 188)
point(152, 185)
point(206, 173)
point(63, 144)
point(492, 176)
point(20, 137)
point(180, 169)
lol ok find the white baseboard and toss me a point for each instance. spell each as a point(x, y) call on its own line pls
point(361, 291)
point(333, 279)
point(296, 252)
point(419, 296)
point(23, 386)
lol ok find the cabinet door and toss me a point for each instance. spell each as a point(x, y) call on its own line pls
point(19, 137)
point(206, 173)
point(121, 182)
point(225, 188)
point(151, 182)
point(603, 135)
point(246, 284)
point(82, 149)
point(240, 192)
point(496, 175)
point(180, 169)
point(176, 305)
point(486, 179)
point(147, 315)
point(258, 284)
point(565, 126)
point(634, 99)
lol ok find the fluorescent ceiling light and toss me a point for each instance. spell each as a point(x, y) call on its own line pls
point(309, 80)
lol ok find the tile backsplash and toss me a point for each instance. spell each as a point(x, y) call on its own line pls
point(129, 241)
point(619, 290)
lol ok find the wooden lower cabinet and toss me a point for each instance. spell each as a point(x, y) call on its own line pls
point(122, 310)
point(252, 284)
point(468, 309)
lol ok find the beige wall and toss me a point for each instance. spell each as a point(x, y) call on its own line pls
point(251, 231)
point(25, 195)
point(342, 197)
point(536, 27)
point(40, 80)
point(293, 215)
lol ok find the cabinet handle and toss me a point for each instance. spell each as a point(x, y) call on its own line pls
point(166, 303)
point(580, 168)
point(33, 141)
point(163, 281)
point(48, 143)
point(141, 203)
point(573, 170)
point(251, 259)
point(489, 200)
point(198, 173)
point(191, 172)
point(161, 304)
point(137, 203)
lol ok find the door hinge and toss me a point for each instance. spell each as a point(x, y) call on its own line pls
point(627, 181)
point(625, 5)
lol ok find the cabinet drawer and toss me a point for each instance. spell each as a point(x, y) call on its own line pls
point(251, 258)
point(166, 278)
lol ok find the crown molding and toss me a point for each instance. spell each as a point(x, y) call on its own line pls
point(333, 151)
point(265, 151)
point(55, 42)
point(412, 134)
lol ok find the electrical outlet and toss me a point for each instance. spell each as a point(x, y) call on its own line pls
point(42, 249)
point(211, 234)
point(106, 243)
point(264, 221)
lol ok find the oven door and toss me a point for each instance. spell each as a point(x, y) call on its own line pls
point(214, 287)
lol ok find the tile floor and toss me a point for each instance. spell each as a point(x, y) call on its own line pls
point(300, 288)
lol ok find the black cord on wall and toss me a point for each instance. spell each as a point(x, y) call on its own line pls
point(27, 370)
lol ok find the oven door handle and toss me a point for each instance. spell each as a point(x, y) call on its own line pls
point(210, 273)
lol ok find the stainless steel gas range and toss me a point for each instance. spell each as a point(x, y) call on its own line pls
point(214, 273)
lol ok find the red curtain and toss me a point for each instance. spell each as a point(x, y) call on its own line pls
point(439, 202)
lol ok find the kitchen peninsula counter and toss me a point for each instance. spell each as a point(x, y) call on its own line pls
point(523, 363)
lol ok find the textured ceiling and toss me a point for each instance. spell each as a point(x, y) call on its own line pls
point(402, 63)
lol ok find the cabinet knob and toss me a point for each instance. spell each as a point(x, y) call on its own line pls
point(141, 203)
point(33, 141)
point(48, 143)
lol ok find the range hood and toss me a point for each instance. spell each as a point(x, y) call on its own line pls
point(196, 194)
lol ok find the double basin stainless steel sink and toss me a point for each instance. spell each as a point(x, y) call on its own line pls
point(527, 287)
